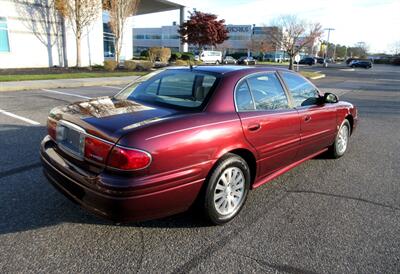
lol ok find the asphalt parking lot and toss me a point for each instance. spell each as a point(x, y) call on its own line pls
point(325, 216)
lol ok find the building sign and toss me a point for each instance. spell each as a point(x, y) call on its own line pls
point(239, 28)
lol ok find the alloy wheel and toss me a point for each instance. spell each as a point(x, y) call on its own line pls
point(229, 191)
point(343, 138)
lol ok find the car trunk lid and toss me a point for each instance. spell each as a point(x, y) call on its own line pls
point(100, 123)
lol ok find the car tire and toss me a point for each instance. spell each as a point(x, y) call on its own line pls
point(226, 189)
point(339, 147)
point(217, 63)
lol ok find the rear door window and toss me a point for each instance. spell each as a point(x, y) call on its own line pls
point(268, 92)
point(244, 100)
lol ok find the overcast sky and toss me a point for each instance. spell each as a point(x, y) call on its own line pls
point(376, 22)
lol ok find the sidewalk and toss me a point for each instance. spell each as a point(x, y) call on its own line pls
point(66, 83)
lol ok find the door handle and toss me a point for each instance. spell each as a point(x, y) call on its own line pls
point(254, 127)
point(307, 118)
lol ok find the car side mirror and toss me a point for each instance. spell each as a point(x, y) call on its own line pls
point(330, 98)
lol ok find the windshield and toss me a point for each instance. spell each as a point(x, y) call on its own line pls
point(179, 88)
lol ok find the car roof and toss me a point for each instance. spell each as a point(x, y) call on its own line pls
point(227, 69)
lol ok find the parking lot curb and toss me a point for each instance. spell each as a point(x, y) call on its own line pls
point(318, 77)
point(65, 83)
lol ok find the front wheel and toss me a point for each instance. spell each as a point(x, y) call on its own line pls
point(227, 189)
point(340, 145)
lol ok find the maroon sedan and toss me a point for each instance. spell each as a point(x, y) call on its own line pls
point(184, 135)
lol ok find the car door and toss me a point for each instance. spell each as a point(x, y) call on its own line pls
point(269, 124)
point(318, 121)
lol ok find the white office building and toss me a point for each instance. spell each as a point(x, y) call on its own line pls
point(241, 40)
point(32, 34)
point(167, 36)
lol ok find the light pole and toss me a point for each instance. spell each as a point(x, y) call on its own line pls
point(327, 45)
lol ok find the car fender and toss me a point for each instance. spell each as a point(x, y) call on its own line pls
point(345, 110)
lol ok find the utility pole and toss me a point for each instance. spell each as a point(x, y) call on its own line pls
point(327, 45)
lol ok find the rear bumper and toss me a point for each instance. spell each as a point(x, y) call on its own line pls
point(92, 193)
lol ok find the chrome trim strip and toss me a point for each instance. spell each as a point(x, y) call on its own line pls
point(269, 114)
point(67, 150)
point(71, 125)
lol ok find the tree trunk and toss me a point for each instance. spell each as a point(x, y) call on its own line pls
point(64, 42)
point(117, 49)
point(78, 50)
point(290, 62)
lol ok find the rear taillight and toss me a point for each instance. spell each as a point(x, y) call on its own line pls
point(128, 159)
point(96, 149)
point(52, 128)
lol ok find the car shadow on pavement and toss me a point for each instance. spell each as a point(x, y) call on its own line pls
point(28, 201)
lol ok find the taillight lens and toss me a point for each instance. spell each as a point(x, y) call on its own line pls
point(128, 159)
point(96, 149)
point(52, 128)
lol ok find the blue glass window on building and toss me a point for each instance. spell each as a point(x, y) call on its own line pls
point(108, 41)
point(4, 43)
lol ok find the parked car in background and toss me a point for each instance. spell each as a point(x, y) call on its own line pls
point(307, 61)
point(361, 64)
point(320, 60)
point(247, 60)
point(210, 57)
point(204, 135)
point(159, 64)
point(229, 60)
point(349, 60)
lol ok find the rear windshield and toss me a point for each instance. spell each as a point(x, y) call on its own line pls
point(176, 88)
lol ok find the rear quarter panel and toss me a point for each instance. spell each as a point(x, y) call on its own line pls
point(189, 145)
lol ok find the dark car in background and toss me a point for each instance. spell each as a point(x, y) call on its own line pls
point(229, 60)
point(320, 60)
point(247, 60)
point(361, 64)
point(307, 61)
point(203, 135)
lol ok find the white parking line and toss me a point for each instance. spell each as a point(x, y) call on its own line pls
point(29, 121)
point(112, 87)
point(395, 80)
point(68, 94)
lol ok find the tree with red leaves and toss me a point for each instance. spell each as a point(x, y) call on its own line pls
point(203, 29)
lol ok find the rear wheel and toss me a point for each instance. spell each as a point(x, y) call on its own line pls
point(227, 189)
point(340, 145)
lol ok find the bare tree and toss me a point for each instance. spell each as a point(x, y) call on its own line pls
point(225, 46)
point(395, 48)
point(44, 22)
point(294, 34)
point(81, 14)
point(260, 45)
point(360, 50)
point(120, 11)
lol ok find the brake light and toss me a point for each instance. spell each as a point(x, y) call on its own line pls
point(96, 149)
point(128, 159)
point(52, 128)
